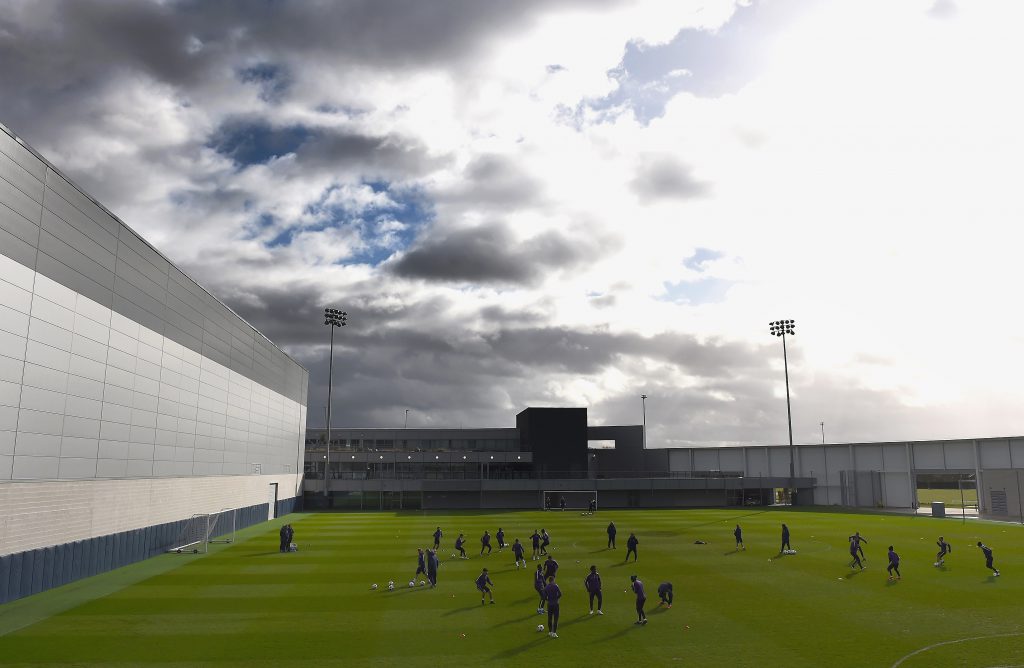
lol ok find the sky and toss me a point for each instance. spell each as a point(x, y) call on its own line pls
point(572, 202)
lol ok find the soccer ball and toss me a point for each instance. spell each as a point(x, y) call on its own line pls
point(391, 587)
point(540, 627)
point(391, 583)
point(936, 564)
point(422, 583)
point(373, 586)
point(412, 583)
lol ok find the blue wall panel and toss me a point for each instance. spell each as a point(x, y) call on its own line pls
point(64, 562)
point(28, 566)
point(5, 576)
point(48, 564)
point(14, 587)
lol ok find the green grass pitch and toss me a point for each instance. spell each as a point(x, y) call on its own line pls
point(248, 605)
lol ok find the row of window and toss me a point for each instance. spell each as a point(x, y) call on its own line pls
point(468, 444)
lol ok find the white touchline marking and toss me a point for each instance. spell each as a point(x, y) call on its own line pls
point(953, 642)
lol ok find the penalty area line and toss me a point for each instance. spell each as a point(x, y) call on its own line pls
point(952, 642)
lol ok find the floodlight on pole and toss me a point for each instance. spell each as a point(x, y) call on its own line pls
point(782, 328)
point(643, 406)
point(334, 318)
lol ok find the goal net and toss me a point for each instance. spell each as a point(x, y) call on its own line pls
point(194, 535)
point(574, 499)
point(222, 526)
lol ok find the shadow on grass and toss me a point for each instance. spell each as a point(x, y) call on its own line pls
point(603, 549)
point(614, 636)
point(518, 620)
point(465, 609)
point(574, 620)
point(516, 651)
point(264, 554)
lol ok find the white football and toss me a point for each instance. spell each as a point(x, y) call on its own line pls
point(540, 627)
point(373, 586)
point(936, 563)
point(391, 583)
point(391, 587)
point(412, 583)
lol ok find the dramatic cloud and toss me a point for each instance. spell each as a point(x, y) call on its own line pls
point(571, 202)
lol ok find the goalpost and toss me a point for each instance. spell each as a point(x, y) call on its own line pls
point(574, 499)
point(204, 528)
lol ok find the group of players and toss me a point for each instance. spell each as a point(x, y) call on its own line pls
point(550, 594)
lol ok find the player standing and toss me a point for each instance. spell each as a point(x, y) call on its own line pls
point(944, 549)
point(738, 533)
point(432, 564)
point(641, 598)
point(481, 584)
point(561, 503)
point(538, 584)
point(592, 507)
point(611, 535)
point(519, 553)
point(894, 563)
point(665, 594)
point(593, 585)
point(631, 544)
point(552, 593)
point(785, 538)
point(485, 542)
point(501, 538)
point(437, 538)
point(988, 558)
point(459, 543)
point(421, 566)
point(536, 546)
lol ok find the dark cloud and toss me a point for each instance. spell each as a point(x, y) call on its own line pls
point(661, 177)
point(496, 181)
point(491, 254)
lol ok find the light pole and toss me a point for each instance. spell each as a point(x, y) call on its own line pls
point(781, 328)
point(643, 406)
point(406, 419)
point(822, 432)
point(334, 318)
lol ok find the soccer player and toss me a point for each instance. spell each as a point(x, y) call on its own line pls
point(437, 538)
point(288, 537)
point(550, 567)
point(593, 585)
point(485, 542)
point(857, 540)
point(519, 553)
point(592, 508)
point(552, 593)
point(611, 535)
point(536, 546)
point(894, 563)
point(988, 558)
point(284, 537)
point(538, 584)
point(545, 540)
point(459, 542)
point(785, 539)
point(561, 503)
point(738, 533)
point(501, 538)
point(481, 584)
point(944, 549)
point(432, 564)
point(665, 594)
point(631, 544)
point(641, 598)
point(421, 564)
point(853, 554)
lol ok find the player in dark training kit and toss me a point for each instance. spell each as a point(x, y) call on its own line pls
point(538, 584)
point(857, 541)
point(481, 584)
point(592, 583)
point(459, 543)
point(545, 540)
point(421, 564)
point(550, 567)
point(631, 544)
point(501, 538)
point(944, 549)
point(894, 563)
point(785, 539)
point(437, 538)
point(853, 554)
point(536, 545)
point(641, 598)
point(611, 535)
point(665, 594)
point(552, 593)
point(738, 534)
point(519, 552)
point(988, 558)
point(432, 564)
point(485, 543)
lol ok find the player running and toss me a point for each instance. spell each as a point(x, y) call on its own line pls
point(501, 539)
point(485, 542)
point(641, 598)
point(519, 552)
point(536, 545)
point(738, 534)
point(545, 540)
point(894, 564)
point(437, 538)
point(944, 549)
point(460, 543)
point(857, 541)
point(421, 564)
point(853, 554)
point(988, 558)
point(592, 583)
point(481, 584)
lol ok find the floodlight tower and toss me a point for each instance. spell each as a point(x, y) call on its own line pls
point(334, 318)
point(781, 328)
point(643, 406)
